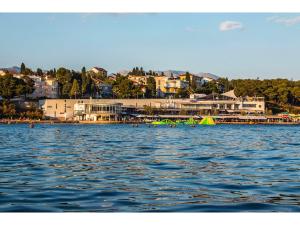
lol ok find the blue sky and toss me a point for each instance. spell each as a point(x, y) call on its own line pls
point(232, 45)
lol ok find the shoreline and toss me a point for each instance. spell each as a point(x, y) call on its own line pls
point(50, 122)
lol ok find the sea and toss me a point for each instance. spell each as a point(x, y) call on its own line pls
point(121, 168)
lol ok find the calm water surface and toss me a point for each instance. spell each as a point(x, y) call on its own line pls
point(120, 168)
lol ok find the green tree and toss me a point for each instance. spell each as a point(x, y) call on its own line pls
point(188, 77)
point(39, 72)
point(23, 67)
point(85, 82)
point(151, 87)
point(75, 90)
point(182, 93)
point(28, 71)
point(29, 85)
point(124, 88)
point(11, 87)
point(64, 78)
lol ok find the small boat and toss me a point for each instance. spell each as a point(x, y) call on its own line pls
point(31, 125)
point(208, 120)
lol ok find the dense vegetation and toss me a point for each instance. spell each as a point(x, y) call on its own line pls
point(11, 86)
point(280, 94)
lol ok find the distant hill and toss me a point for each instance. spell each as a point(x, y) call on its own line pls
point(176, 73)
point(168, 73)
point(123, 72)
point(208, 75)
point(14, 69)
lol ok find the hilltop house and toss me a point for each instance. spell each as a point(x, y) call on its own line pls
point(44, 87)
point(99, 71)
point(139, 80)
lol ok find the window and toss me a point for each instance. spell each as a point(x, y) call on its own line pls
point(249, 105)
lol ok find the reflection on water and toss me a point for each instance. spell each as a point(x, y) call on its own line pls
point(122, 168)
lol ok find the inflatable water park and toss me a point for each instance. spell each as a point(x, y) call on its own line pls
point(208, 120)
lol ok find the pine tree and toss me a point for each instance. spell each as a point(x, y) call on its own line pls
point(83, 70)
point(85, 81)
point(39, 72)
point(23, 68)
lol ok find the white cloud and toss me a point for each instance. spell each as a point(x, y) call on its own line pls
point(287, 21)
point(230, 25)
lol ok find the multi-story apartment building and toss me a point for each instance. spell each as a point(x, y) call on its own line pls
point(44, 87)
point(166, 86)
point(191, 78)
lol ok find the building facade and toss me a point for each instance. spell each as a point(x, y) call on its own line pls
point(97, 111)
point(166, 86)
point(139, 80)
point(65, 108)
point(99, 70)
point(44, 87)
point(192, 79)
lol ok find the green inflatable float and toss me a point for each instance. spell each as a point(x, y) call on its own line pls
point(191, 121)
point(164, 122)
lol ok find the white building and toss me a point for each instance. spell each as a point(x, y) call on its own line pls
point(99, 70)
point(44, 87)
point(2, 72)
point(98, 111)
point(229, 103)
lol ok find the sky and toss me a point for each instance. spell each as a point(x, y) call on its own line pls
point(228, 45)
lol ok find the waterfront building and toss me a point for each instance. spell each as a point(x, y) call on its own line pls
point(226, 104)
point(239, 105)
point(197, 96)
point(97, 111)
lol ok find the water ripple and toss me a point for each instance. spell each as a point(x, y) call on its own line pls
point(120, 168)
